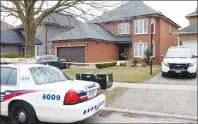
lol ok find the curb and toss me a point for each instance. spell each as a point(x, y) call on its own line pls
point(189, 117)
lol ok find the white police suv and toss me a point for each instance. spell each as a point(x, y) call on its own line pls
point(179, 60)
point(33, 92)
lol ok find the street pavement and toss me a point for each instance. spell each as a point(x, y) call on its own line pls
point(118, 117)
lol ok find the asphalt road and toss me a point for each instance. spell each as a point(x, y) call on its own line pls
point(176, 80)
point(116, 117)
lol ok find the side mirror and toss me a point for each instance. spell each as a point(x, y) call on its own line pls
point(162, 56)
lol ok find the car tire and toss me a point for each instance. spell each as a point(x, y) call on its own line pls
point(164, 74)
point(193, 75)
point(67, 66)
point(22, 113)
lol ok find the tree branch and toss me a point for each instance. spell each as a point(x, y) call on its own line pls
point(39, 8)
point(7, 8)
point(47, 12)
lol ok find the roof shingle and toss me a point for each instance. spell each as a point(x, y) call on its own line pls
point(89, 31)
point(195, 13)
point(189, 29)
point(130, 9)
point(14, 37)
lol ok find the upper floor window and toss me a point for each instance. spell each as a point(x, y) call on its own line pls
point(123, 28)
point(153, 22)
point(141, 26)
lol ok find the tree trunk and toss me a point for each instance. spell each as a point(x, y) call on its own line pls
point(30, 40)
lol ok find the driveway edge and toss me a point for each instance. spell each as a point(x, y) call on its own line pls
point(189, 117)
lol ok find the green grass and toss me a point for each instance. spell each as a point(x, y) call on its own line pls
point(120, 74)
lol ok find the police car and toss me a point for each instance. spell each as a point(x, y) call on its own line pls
point(33, 92)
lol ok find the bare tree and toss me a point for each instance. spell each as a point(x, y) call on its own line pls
point(32, 12)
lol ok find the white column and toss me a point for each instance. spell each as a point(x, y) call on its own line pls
point(178, 41)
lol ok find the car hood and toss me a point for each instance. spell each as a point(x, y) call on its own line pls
point(179, 60)
point(78, 85)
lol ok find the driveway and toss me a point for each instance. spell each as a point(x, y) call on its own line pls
point(182, 102)
point(172, 80)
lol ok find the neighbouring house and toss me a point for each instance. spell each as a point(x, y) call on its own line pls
point(13, 42)
point(52, 26)
point(188, 35)
point(126, 28)
point(5, 25)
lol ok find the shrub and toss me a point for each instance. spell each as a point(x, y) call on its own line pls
point(11, 55)
point(106, 64)
point(147, 56)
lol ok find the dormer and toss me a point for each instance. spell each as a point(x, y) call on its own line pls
point(192, 17)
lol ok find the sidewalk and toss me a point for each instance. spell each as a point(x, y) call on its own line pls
point(155, 86)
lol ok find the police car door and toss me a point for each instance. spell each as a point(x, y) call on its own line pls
point(8, 87)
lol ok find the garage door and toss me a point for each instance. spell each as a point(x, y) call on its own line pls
point(74, 54)
point(192, 45)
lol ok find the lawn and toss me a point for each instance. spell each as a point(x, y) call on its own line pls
point(120, 74)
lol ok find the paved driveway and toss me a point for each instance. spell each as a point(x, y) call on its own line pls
point(172, 80)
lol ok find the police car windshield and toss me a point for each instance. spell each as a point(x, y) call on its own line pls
point(47, 74)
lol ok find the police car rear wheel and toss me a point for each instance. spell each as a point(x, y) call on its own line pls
point(22, 113)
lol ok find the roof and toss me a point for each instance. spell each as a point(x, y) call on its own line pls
point(14, 37)
point(11, 37)
point(61, 20)
point(54, 19)
point(189, 29)
point(129, 11)
point(195, 13)
point(87, 31)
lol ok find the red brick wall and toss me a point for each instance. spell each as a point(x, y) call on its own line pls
point(97, 51)
point(147, 38)
point(113, 28)
point(167, 39)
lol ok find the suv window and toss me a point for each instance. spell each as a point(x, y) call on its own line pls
point(12, 80)
point(5, 75)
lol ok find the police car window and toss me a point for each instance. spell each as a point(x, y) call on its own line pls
point(12, 79)
point(5, 72)
point(47, 74)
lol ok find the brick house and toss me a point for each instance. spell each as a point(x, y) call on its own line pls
point(124, 29)
point(188, 35)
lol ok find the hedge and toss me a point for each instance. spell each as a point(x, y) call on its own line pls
point(11, 55)
point(106, 64)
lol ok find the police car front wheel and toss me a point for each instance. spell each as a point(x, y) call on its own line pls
point(22, 113)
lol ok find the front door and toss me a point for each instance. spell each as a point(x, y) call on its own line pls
point(123, 51)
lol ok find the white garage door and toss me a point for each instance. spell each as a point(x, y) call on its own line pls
point(192, 45)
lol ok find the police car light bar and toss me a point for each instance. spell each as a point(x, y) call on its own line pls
point(17, 60)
